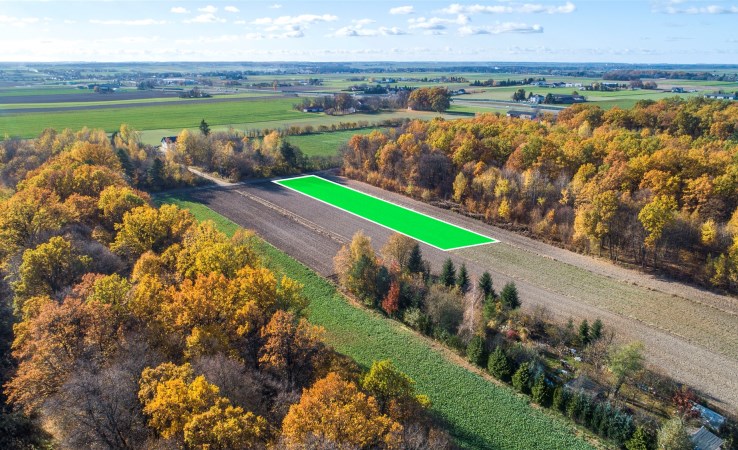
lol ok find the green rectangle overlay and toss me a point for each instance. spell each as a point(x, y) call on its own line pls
point(426, 229)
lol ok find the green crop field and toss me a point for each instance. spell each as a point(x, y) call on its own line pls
point(152, 117)
point(325, 144)
point(478, 413)
point(429, 230)
point(110, 100)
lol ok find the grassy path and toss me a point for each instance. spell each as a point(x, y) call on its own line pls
point(479, 414)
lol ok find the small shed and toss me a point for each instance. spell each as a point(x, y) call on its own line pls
point(704, 440)
point(709, 417)
point(586, 385)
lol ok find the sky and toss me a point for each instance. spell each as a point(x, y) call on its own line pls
point(635, 31)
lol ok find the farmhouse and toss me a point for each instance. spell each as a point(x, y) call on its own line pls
point(168, 143)
point(704, 440)
point(721, 96)
point(536, 98)
point(677, 90)
point(312, 109)
point(527, 115)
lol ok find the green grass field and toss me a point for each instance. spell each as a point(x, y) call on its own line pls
point(325, 144)
point(110, 100)
point(478, 413)
point(418, 226)
point(152, 117)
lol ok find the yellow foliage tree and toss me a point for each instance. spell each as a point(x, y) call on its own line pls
point(336, 410)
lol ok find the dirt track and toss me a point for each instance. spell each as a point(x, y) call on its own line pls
point(312, 232)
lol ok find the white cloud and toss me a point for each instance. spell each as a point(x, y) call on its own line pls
point(231, 9)
point(136, 22)
point(275, 6)
point(526, 8)
point(360, 31)
point(206, 18)
point(303, 19)
point(709, 9)
point(505, 27)
point(208, 9)
point(402, 10)
point(179, 10)
point(240, 22)
point(437, 23)
point(69, 22)
point(18, 21)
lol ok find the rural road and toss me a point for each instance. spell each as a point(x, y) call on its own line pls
point(313, 232)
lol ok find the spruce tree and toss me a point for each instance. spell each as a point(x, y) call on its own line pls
point(415, 261)
point(485, 286)
point(639, 440)
point(596, 331)
point(475, 351)
point(462, 279)
point(584, 334)
point(509, 296)
point(204, 128)
point(499, 365)
point(560, 399)
point(540, 391)
point(448, 273)
point(521, 380)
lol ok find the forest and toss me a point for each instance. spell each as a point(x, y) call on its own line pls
point(655, 186)
point(132, 326)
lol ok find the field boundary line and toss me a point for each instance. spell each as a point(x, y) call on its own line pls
point(279, 182)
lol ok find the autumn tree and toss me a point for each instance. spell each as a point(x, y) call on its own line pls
point(47, 269)
point(391, 302)
point(150, 229)
point(393, 390)
point(292, 348)
point(337, 410)
point(398, 250)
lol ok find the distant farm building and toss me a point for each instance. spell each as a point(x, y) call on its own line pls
point(536, 98)
point(704, 440)
point(168, 143)
point(677, 90)
point(528, 115)
point(721, 96)
point(312, 109)
point(568, 99)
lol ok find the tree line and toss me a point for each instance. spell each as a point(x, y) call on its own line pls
point(656, 185)
point(126, 325)
point(436, 99)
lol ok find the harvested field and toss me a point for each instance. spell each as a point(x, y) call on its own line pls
point(688, 333)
